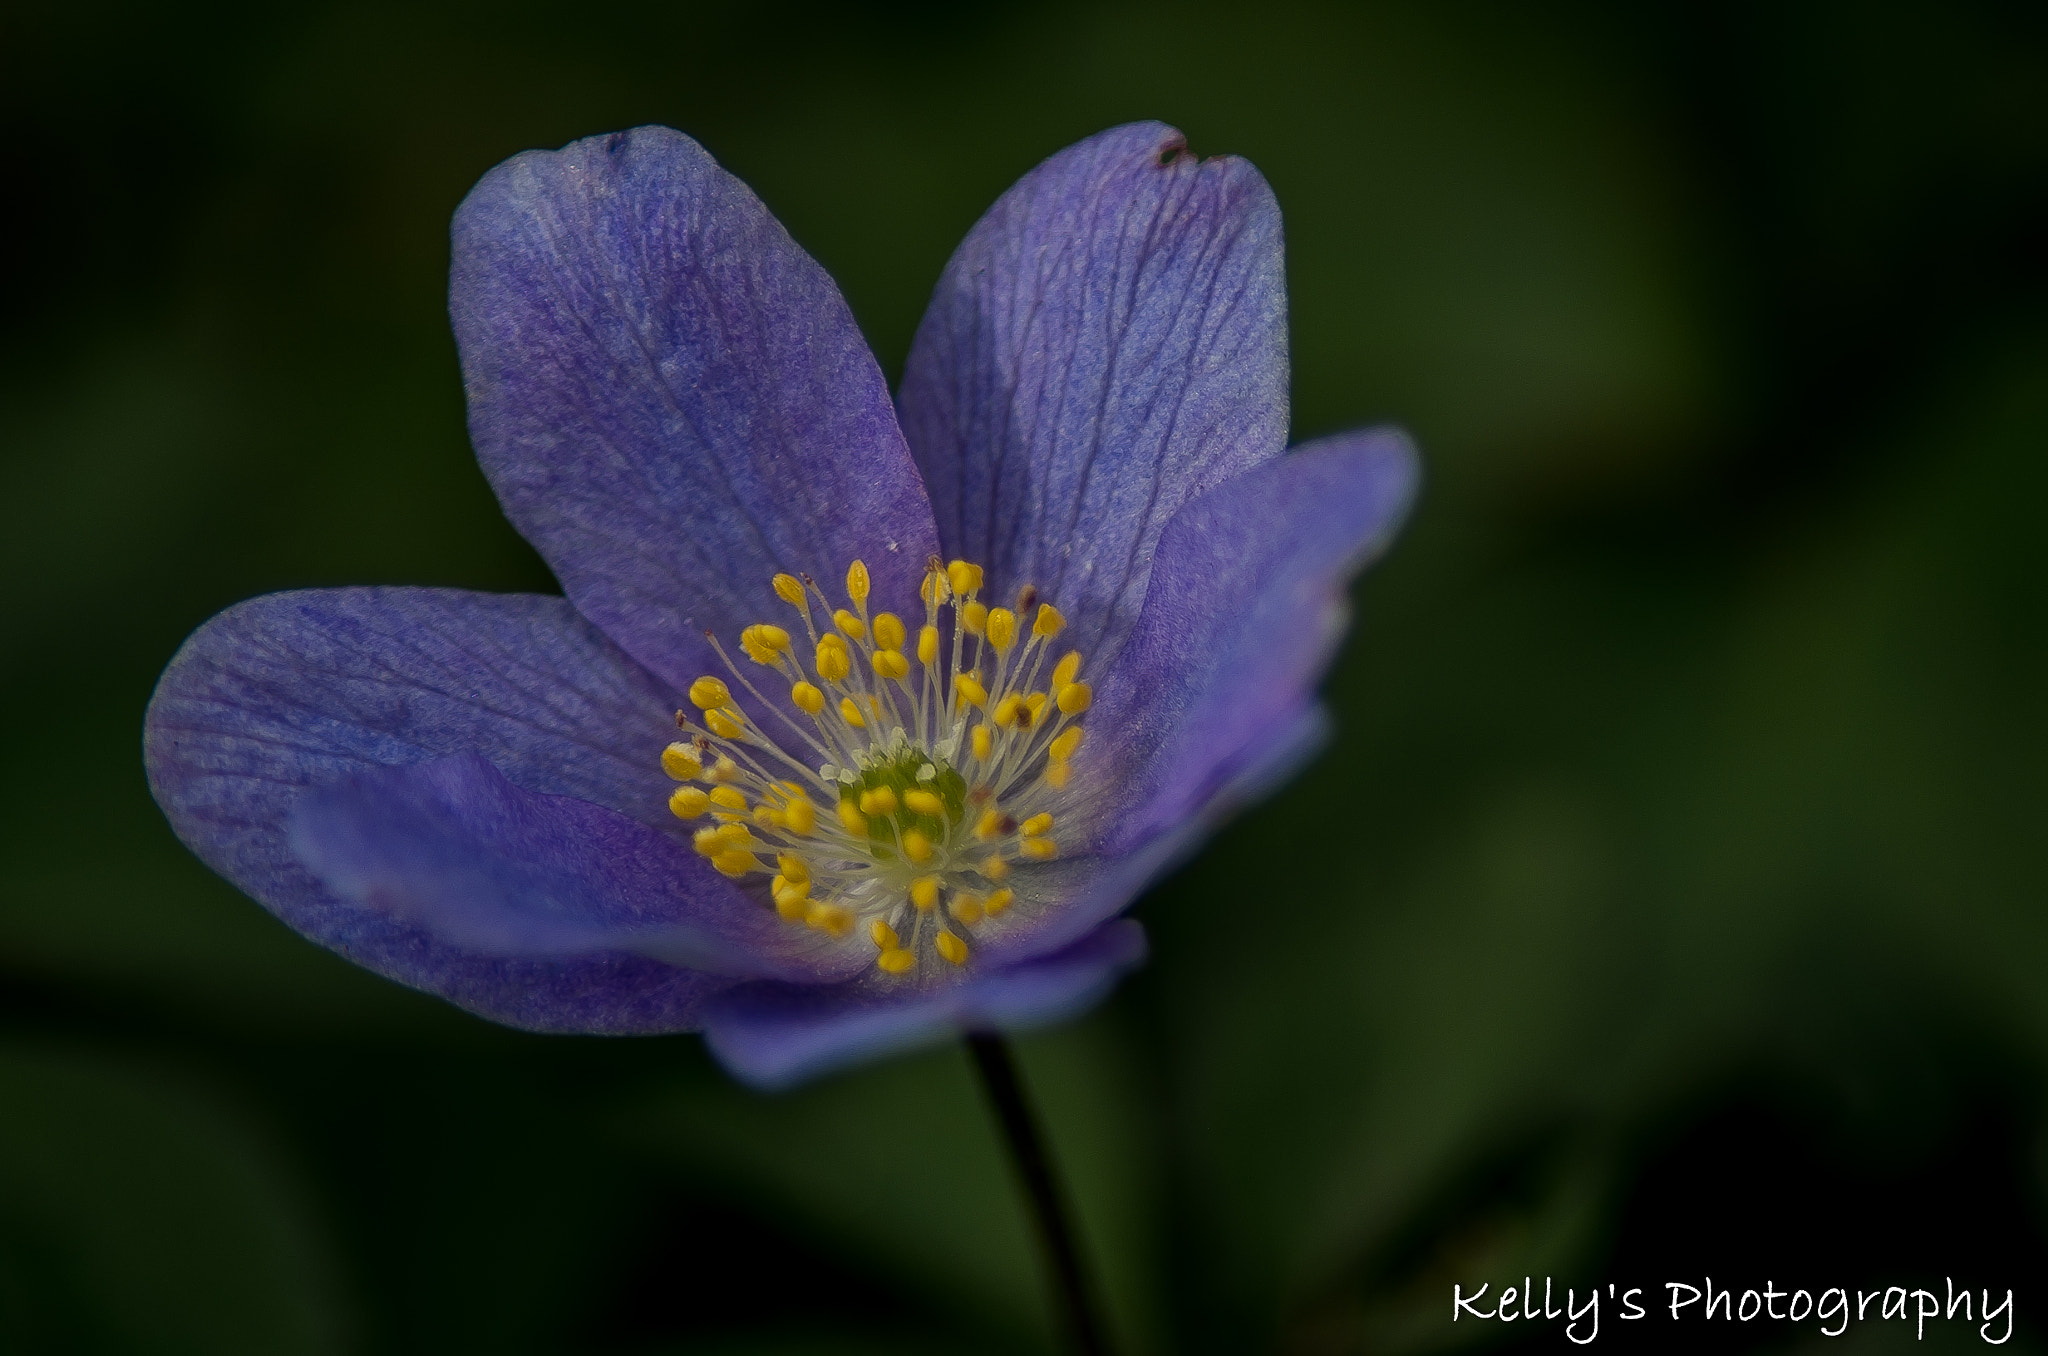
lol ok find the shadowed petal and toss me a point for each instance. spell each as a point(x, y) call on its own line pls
point(298, 690)
point(1108, 342)
point(776, 1035)
point(1245, 609)
point(670, 397)
point(452, 848)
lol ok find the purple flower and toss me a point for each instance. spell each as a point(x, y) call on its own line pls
point(922, 790)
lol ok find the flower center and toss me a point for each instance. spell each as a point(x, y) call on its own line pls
point(939, 773)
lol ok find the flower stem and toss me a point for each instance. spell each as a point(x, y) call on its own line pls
point(1048, 1207)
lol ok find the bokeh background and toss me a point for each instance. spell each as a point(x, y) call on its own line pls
point(1671, 902)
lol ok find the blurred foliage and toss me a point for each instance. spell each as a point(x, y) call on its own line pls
point(1676, 896)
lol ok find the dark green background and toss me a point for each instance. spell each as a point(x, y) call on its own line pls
point(1671, 901)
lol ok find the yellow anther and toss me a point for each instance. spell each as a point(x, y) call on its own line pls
point(924, 893)
point(964, 578)
point(763, 642)
point(1035, 827)
point(1050, 623)
point(792, 898)
point(924, 803)
point(992, 824)
point(707, 842)
point(951, 947)
point(889, 632)
point(1041, 849)
point(766, 816)
point(857, 582)
point(836, 919)
point(983, 739)
point(735, 838)
point(800, 817)
point(708, 692)
point(792, 866)
point(851, 714)
point(1067, 670)
point(883, 935)
point(1010, 711)
point(1062, 748)
point(974, 618)
point(731, 797)
point(890, 663)
point(688, 802)
point(897, 961)
point(997, 901)
point(852, 818)
point(736, 864)
point(928, 646)
point(1074, 698)
point(681, 762)
point(879, 801)
point(789, 589)
point(847, 622)
point(809, 698)
point(994, 867)
point(970, 689)
point(724, 770)
point(916, 846)
point(965, 907)
point(1056, 774)
point(1036, 701)
point(724, 723)
point(934, 588)
point(1002, 628)
point(834, 663)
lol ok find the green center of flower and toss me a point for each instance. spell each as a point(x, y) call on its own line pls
point(939, 774)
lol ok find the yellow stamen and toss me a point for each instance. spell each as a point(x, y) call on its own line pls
point(857, 582)
point(916, 846)
point(964, 578)
point(880, 802)
point(982, 738)
point(851, 714)
point(681, 762)
point(897, 961)
point(792, 866)
point(951, 947)
point(731, 797)
point(1050, 623)
point(1010, 711)
point(1066, 671)
point(836, 919)
point(1041, 849)
point(792, 898)
point(994, 867)
point(934, 589)
point(966, 908)
point(1002, 628)
point(852, 818)
point(1075, 698)
point(1056, 775)
point(688, 802)
point(883, 935)
point(889, 632)
point(1062, 748)
point(736, 864)
point(724, 770)
point(1036, 826)
point(801, 817)
point(809, 698)
point(789, 589)
point(708, 692)
point(924, 803)
point(974, 617)
point(890, 663)
point(725, 723)
point(924, 893)
point(970, 689)
point(992, 824)
point(847, 622)
point(834, 663)
point(928, 646)
point(706, 842)
point(997, 901)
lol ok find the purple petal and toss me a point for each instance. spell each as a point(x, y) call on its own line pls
point(776, 1035)
point(299, 690)
point(1107, 343)
point(1245, 610)
point(670, 397)
point(453, 849)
